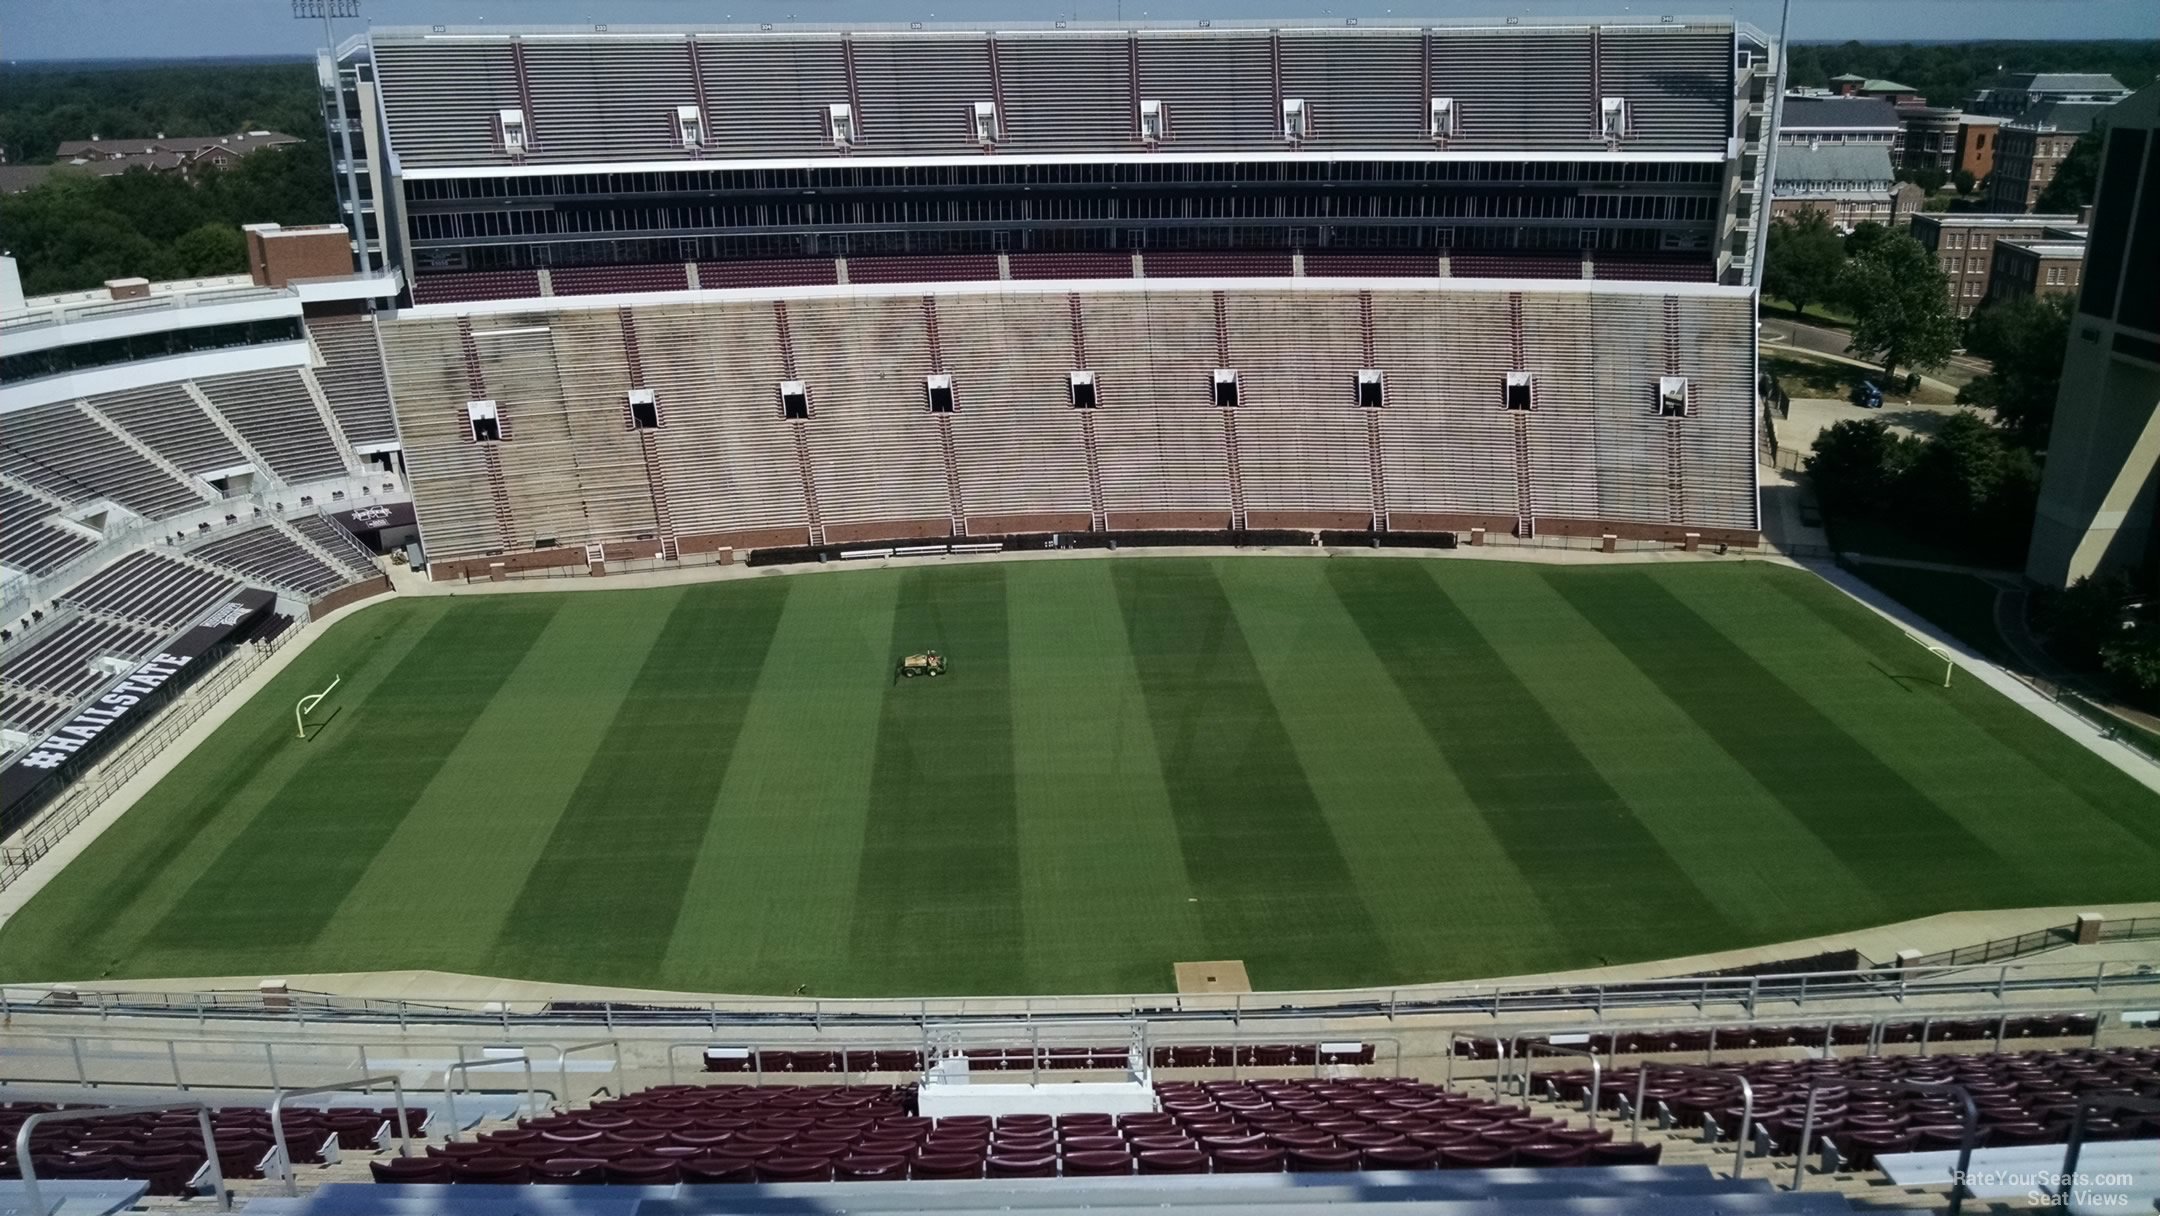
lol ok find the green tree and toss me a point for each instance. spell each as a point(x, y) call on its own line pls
point(1963, 181)
point(1858, 464)
point(2023, 339)
point(1801, 261)
point(1864, 237)
point(2075, 179)
point(211, 249)
point(1927, 177)
point(1900, 304)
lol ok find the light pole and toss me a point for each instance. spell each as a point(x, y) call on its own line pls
point(303, 10)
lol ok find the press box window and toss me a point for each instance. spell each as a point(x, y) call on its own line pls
point(644, 409)
point(840, 124)
point(938, 389)
point(794, 399)
point(1082, 388)
point(1516, 394)
point(1371, 389)
point(485, 421)
point(1672, 397)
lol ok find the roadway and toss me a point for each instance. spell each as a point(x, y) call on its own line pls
point(1823, 340)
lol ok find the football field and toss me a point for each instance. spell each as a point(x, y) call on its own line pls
point(1345, 771)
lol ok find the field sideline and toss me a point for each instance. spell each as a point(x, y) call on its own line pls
point(1360, 770)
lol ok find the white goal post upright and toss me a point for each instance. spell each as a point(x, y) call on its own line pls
point(1943, 653)
point(309, 702)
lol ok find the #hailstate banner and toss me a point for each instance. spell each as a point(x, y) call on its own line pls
point(38, 774)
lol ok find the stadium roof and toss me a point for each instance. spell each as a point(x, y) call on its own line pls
point(1838, 114)
point(595, 95)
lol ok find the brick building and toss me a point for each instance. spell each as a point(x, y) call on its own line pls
point(2035, 268)
point(1850, 183)
point(2032, 148)
point(2021, 91)
point(1964, 245)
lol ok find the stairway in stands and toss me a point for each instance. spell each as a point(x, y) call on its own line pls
point(1525, 517)
point(499, 496)
point(1376, 471)
point(656, 480)
point(1098, 514)
point(808, 474)
point(648, 440)
point(1675, 480)
point(956, 507)
point(1229, 416)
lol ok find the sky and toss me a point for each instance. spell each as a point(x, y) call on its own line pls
point(129, 29)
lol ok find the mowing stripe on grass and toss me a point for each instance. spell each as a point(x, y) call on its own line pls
point(937, 893)
point(1601, 873)
point(1743, 849)
point(506, 785)
point(1101, 876)
point(1425, 860)
point(768, 907)
point(603, 898)
point(112, 897)
point(282, 879)
point(1977, 752)
point(1870, 816)
point(1273, 887)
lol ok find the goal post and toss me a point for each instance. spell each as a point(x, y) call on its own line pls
point(309, 702)
point(1949, 660)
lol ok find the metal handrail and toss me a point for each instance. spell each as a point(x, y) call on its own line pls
point(35, 1199)
point(2086, 1105)
point(1597, 1068)
point(1747, 1103)
point(277, 1120)
point(532, 1098)
point(1965, 1142)
point(562, 1063)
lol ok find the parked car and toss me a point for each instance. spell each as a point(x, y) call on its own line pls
point(1867, 396)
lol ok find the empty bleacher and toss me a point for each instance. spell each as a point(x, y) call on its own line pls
point(30, 714)
point(151, 589)
point(873, 442)
point(352, 378)
point(57, 661)
point(165, 1149)
point(29, 541)
point(446, 469)
point(333, 539)
point(729, 459)
point(1020, 450)
point(1447, 446)
point(872, 462)
point(274, 412)
point(265, 554)
point(1302, 448)
point(61, 450)
point(167, 420)
point(1162, 442)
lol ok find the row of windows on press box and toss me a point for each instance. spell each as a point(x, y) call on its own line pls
point(1518, 392)
point(514, 135)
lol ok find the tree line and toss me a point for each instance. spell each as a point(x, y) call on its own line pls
point(74, 230)
point(1949, 73)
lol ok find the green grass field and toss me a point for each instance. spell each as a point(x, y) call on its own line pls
point(1350, 771)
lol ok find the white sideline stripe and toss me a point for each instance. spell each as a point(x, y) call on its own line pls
point(2121, 755)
